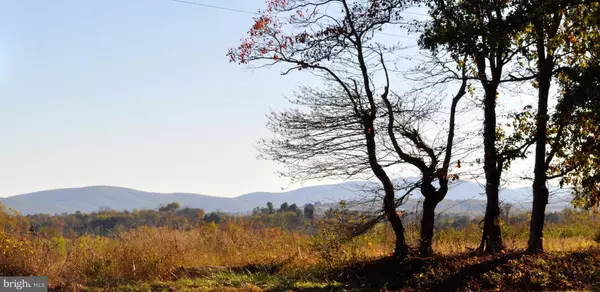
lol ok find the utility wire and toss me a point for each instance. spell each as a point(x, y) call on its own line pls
point(216, 7)
point(414, 13)
point(397, 35)
point(255, 13)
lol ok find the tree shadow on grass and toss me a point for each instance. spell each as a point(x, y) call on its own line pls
point(474, 271)
point(390, 274)
point(438, 273)
point(550, 271)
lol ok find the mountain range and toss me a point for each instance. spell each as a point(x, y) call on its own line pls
point(462, 197)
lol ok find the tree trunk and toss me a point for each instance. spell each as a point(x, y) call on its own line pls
point(540, 191)
point(536, 228)
point(427, 226)
point(389, 205)
point(389, 201)
point(492, 234)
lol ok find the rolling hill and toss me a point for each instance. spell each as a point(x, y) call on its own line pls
point(462, 197)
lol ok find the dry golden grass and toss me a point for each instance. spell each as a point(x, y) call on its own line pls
point(158, 254)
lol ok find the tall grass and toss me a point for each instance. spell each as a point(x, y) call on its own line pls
point(158, 253)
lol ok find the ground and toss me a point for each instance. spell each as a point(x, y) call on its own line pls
point(509, 271)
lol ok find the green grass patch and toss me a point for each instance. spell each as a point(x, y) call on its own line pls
point(225, 281)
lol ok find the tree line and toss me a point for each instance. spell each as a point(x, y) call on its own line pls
point(474, 56)
point(107, 221)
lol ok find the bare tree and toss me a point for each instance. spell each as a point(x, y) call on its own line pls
point(323, 137)
point(333, 38)
point(431, 159)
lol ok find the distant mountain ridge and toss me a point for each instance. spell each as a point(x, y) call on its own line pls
point(89, 199)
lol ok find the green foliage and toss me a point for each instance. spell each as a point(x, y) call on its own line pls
point(169, 207)
point(309, 211)
point(578, 121)
point(514, 142)
point(465, 29)
point(284, 207)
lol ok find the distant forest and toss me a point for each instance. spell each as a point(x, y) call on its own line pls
point(106, 221)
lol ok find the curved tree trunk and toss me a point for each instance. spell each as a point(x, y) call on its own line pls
point(427, 226)
point(401, 248)
point(432, 196)
point(389, 201)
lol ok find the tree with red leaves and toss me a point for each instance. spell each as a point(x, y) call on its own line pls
point(335, 38)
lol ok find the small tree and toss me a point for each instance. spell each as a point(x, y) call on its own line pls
point(505, 207)
point(284, 207)
point(215, 217)
point(270, 208)
point(309, 212)
point(169, 207)
point(256, 211)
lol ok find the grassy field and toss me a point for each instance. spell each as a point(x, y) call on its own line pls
point(239, 256)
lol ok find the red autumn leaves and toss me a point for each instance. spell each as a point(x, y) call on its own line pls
point(266, 39)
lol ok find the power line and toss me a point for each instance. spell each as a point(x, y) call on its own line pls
point(216, 7)
point(250, 12)
point(414, 13)
point(397, 35)
point(255, 13)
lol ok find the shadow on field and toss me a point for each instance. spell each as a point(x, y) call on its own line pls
point(390, 274)
point(473, 271)
point(460, 272)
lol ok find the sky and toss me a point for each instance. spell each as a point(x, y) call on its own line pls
point(134, 93)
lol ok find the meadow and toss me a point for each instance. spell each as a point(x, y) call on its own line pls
point(245, 254)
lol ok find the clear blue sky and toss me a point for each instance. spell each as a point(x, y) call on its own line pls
point(134, 93)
